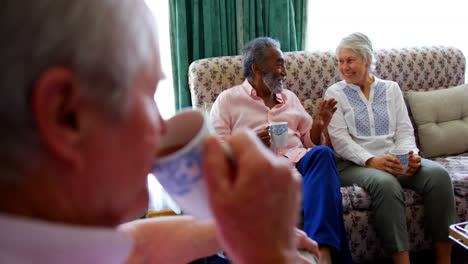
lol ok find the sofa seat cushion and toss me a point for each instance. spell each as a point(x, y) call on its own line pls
point(457, 167)
point(345, 193)
point(441, 120)
point(356, 198)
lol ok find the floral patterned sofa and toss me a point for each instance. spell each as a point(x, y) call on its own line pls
point(309, 74)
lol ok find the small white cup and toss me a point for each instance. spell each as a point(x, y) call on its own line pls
point(403, 156)
point(179, 164)
point(308, 255)
point(279, 134)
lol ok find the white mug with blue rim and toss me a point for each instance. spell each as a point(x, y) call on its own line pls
point(403, 156)
point(279, 134)
point(179, 164)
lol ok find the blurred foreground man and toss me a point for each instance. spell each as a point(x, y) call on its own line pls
point(79, 133)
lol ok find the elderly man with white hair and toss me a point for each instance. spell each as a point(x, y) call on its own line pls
point(79, 132)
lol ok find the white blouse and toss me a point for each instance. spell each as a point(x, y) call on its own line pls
point(361, 129)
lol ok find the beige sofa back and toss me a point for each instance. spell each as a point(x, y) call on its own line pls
point(311, 73)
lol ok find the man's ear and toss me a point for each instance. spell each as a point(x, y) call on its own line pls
point(257, 69)
point(55, 109)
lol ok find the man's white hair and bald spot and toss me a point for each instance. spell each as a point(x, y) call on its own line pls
point(361, 44)
point(104, 43)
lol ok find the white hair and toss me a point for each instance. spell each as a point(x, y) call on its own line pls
point(104, 43)
point(361, 44)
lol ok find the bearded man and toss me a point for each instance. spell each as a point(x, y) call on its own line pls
point(261, 100)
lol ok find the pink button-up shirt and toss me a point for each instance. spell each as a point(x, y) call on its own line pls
point(240, 108)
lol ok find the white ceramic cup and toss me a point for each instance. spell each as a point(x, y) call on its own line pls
point(179, 164)
point(403, 156)
point(279, 134)
point(308, 255)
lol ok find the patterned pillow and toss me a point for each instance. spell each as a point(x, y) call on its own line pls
point(441, 119)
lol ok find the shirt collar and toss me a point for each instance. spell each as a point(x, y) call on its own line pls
point(373, 84)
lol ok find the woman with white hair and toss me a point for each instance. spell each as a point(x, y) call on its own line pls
point(371, 120)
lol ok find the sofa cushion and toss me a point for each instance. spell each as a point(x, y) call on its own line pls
point(457, 166)
point(312, 105)
point(356, 198)
point(440, 117)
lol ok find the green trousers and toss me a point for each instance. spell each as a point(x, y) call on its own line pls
point(388, 201)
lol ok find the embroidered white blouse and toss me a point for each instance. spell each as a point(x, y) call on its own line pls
point(361, 129)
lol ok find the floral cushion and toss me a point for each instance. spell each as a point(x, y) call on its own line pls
point(458, 170)
point(356, 198)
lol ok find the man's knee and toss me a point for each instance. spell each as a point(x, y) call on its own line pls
point(324, 151)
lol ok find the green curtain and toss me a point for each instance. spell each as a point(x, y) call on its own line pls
point(279, 19)
point(210, 28)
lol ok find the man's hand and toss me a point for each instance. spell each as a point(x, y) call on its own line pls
point(305, 243)
point(386, 163)
point(255, 201)
point(414, 164)
point(264, 135)
point(325, 113)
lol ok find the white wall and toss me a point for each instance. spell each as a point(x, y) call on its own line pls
point(395, 23)
point(164, 94)
point(158, 197)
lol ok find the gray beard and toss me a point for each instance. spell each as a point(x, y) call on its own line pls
point(273, 84)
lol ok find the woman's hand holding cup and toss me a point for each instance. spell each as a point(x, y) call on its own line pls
point(414, 163)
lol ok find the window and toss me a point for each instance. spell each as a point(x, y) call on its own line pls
point(389, 24)
point(159, 199)
point(165, 93)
